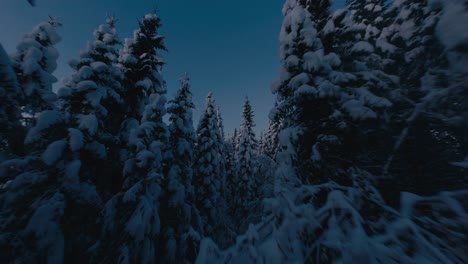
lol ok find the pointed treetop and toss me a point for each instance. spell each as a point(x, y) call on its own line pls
point(54, 21)
point(209, 101)
point(185, 80)
point(111, 20)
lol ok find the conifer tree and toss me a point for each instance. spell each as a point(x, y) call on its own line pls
point(426, 113)
point(270, 138)
point(209, 168)
point(311, 93)
point(34, 62)
point(246, 182)
point(94, 94)
point(66, 143)
point(134, 212)
point(11, 131)
point(132, 219)
point(141, 63)
point(182, 238)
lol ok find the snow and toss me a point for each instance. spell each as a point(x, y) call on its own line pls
point(358, 111)
point(299, 80)
point(132, 194)
point(54, 152)
point(315, 153)
point(88, 122)
point(328, 89)
point(462, 164)
point(76, 139)
point(329, 27)
point(362, 46)
point(145, 219)
point(306, 90)
point(24, 179)
point(98, 149)
point(72, 171)
point(383, 44)
point(372, 100)
point(451, 29)
point(86, 85)
point(292, 61)
point(45, 224)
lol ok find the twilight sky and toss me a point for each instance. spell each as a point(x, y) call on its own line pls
point(227, 47)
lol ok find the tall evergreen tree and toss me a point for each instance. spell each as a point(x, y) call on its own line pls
point(209, 167)
point(62, 175)
point(134, 212)
point(317, 223)
point(132, 218)
point(311, 96)
point(246, 182)
point(181, 236)
point(94, 94)
point(11, 131)
point(271, 140)
point(34, 62)
point(428, 113)
point(141, 63)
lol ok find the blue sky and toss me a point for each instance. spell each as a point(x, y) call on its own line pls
point(227, 47)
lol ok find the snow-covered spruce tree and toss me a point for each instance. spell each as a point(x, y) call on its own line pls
point(181, 231)
point(366, 91)
point(325, 224)
point(231, 174)
point(271, 145)
point(429, 118)
point(132, 225)
point(132, 221)
point(311, 93)
point(60, 175)
point(34, 62)
point(94, 94)
point(246, 182)
point(11, 131)
point(330, 222)
point(141, 63)
point(208, 173)
point(235, 140)
point(31, 204)
point(230, 188)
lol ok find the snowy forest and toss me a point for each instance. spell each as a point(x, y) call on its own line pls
point(365, 159)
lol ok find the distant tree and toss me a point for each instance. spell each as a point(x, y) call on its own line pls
point(181, 235)
point(209, 168)
point(246, 183)
point(271, 145)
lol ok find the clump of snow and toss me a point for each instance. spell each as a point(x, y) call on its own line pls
point(72, 171)
point(362, 46)
point(54, 152)
point(357, 110)
point(76, 139)
point(44, 120)
point(88, 122)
